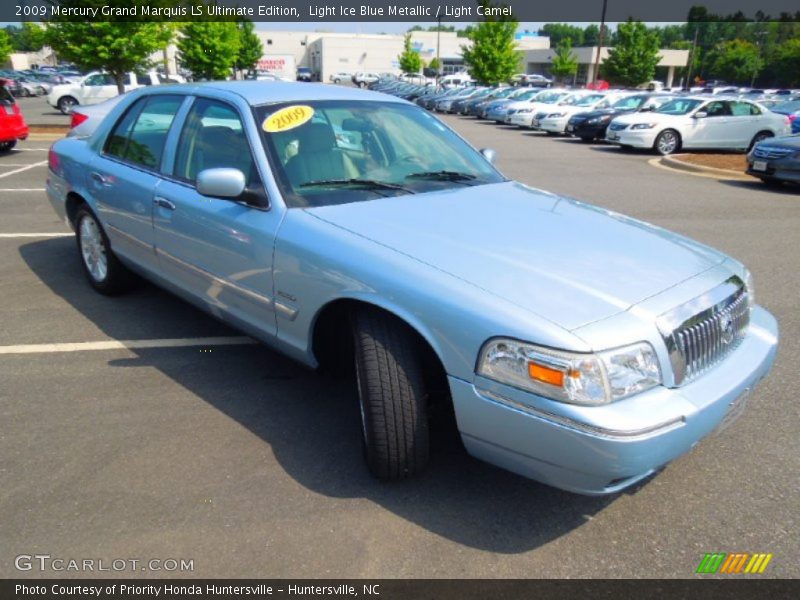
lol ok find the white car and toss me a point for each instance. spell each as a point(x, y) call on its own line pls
point(524, 117)
point(339, 77)
point(98, 87)
point(521, 113)
point(697, 122)
point(554, 120)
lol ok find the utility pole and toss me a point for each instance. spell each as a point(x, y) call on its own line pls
point(438, 46)
point(691, 59)
point(600, 43)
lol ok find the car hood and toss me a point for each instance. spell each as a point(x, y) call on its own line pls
point(786, 141)
point(650, 117)
point(603, 112)
point(567, 261)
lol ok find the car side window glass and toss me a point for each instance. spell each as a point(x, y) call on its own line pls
point(742, 109)
point(97, 79)
point(717, 109)
point(144, 144)
point(118, 139)
point(213, 137)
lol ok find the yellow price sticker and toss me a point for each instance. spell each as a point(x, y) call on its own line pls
point(287, 118)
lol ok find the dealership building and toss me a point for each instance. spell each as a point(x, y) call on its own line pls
point(328, 53)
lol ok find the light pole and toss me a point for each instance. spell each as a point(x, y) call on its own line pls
point(600, 40)
point(438, 45)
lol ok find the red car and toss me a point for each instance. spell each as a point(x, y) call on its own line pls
point(12, 123)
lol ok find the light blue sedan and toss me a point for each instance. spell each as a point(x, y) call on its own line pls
point(348, 228)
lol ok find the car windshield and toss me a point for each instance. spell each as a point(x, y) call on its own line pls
point(588, 100)
point(679, 106)
point(629, 103)
point(549, 97)
point(335, 152)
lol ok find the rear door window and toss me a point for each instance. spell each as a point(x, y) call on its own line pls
point(140, 135)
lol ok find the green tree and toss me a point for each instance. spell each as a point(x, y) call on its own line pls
point(116, 47)
point(250, 47)
point(5, 46)
point(635, 55)
point(736, 61)
point(565, 62)
point(209, 49)
point(410, 61)
point(786, 63)
point(558, 32)
point(435, 64)
point(493, 56)
point(29, 37)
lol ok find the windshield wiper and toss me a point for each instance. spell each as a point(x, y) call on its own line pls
point(370, 184)
point(456, 176)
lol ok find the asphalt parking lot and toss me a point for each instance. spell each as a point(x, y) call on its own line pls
point(249, 465)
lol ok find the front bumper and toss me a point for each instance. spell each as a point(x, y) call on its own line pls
point(553, 125)
point(584, 129)
point(638, 138)
point(783, 169)
point(521, 119)
point(601, 450)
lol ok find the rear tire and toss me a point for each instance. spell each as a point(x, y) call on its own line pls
point(392, 395)
point(105, 273)
point(7, 146)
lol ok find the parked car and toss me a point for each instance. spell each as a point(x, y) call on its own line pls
point(85, 119)
point(553, 121)
point(791, 109)
point(776, 160)
point(535, 80)
point(97, 87)
point(12, 124)
point(364, 79)
point(496, 109)
point(339, 77)
point(305, 74)
point(521, 114)
point(592, 124)
point(698, 122)
point(575, 346)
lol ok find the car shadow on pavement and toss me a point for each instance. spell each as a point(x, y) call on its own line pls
point(311, 423)
point(759, 186)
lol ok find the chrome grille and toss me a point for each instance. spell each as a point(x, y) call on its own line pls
point(617, 126)
point(771, 152)
point(702, 332)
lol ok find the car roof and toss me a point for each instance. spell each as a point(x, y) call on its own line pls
point(258, 92)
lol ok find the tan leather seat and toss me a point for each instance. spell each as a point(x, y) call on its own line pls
point(318, 158)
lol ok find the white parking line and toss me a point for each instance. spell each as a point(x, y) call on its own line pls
point(126, 345)
point(34, 235)
point(21, 169)
point(22, 189)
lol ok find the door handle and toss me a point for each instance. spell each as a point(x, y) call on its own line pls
point(102, 180)
point(163, 203)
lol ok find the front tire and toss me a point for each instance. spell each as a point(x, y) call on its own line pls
point(67, 104)
point(105, 273)
point(667, 142)
point(392, 396)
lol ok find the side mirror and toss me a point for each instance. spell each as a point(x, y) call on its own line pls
point(700, 115)
point(221, 183)
point(489, 154)
point(650, 108)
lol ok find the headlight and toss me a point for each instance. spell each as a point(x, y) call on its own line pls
point(524, 110)
point(643, 126)
point(587, 379)
point(555, 115)
point(598, 119)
